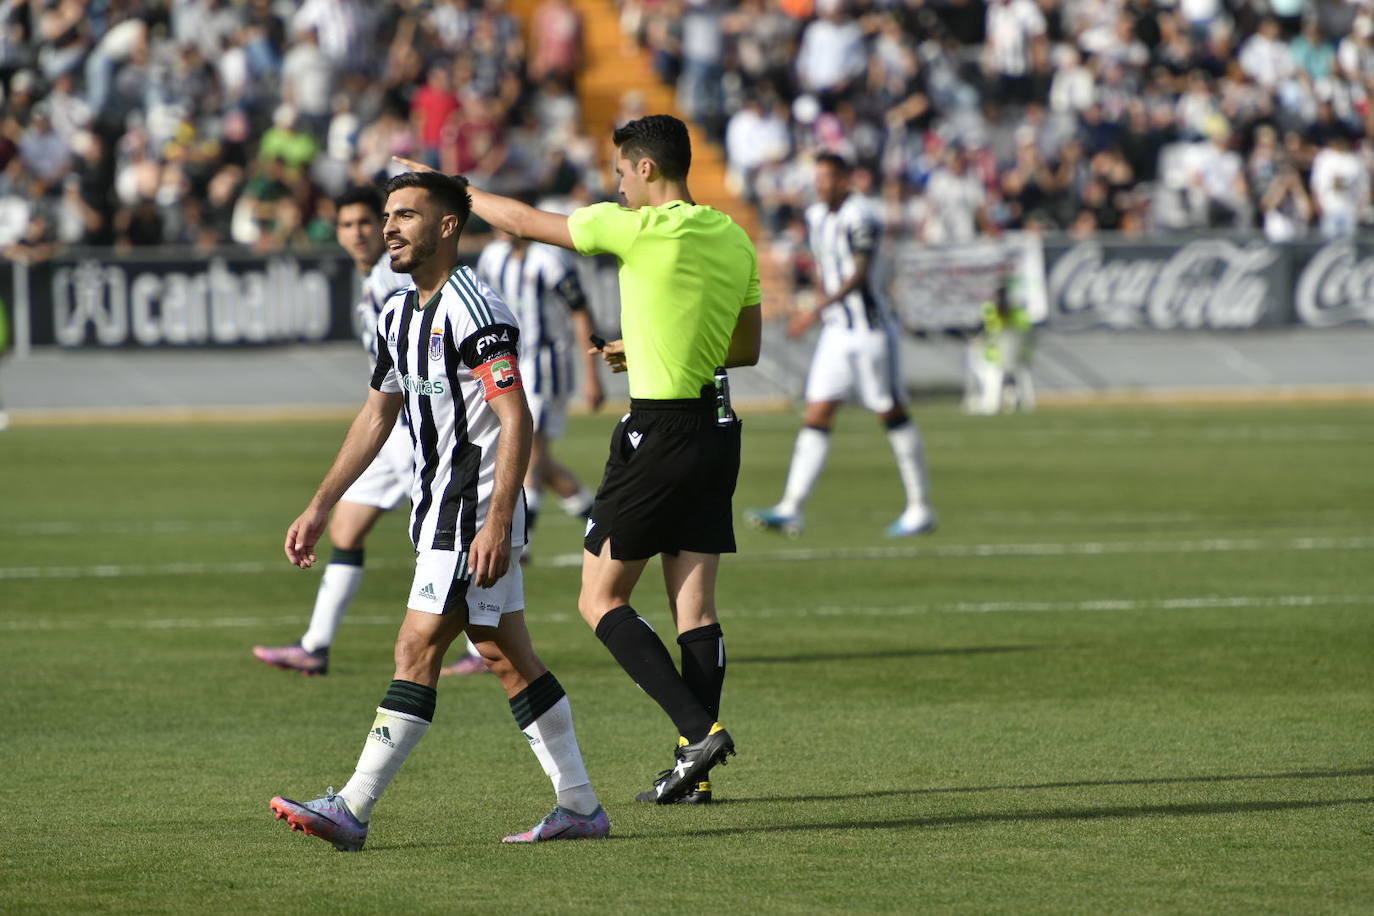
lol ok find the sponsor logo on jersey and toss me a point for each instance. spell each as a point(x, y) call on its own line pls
point(487, 340)
point(427, 387)
point(436, 343)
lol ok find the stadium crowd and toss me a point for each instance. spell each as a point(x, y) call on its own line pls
point(235, 122)
point(219, 122)
point(972, 117)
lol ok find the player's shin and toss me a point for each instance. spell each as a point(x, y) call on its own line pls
point(544, 715)
point(402, 720)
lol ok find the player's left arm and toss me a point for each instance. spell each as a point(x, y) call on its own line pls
point(805, 319)
point(746, 343)
point(489, 553)
point(364, 440)
point(591, 377)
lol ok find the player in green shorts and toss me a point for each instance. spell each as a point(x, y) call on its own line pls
point(689, 289)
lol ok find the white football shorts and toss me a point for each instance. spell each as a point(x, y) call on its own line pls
point(861, 362)
point(387, 479)
point(441, 586)
point(550, 414)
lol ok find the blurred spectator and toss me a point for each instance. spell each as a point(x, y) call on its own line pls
point(307, 82)
point(555, 42)
point(1340, 187)
point(1012, 27)
point(286, 142)
point(699, 91)
point(831, 56)
point(1285, 209)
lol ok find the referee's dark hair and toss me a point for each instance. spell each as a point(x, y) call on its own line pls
point(364, 194)
point(662, 138)
point(450, 190)
point(836, 162)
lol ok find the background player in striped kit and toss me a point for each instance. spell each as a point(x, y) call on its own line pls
point(540, 283)
point(857, 353)
point(448, 356)
point(358, 230)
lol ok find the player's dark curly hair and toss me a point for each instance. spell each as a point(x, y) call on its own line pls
point(364, 194)
point(662, 138)
point(450, 190)
point(836, 162)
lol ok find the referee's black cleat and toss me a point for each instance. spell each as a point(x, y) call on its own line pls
point(694, 762)
point(700, 794)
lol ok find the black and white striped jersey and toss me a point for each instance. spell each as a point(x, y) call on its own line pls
point(837, 236)
point(543, 288)
point(448, 357)
point(378, 286)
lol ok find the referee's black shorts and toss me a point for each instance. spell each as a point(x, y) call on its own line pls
point(668, 483)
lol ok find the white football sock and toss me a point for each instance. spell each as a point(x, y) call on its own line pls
point(554, 742)
point(580, 503)
point(393, 736)
point(911, 463)
point(808, 460)
point(338, 585)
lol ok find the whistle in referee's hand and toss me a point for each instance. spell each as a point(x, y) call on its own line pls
point(598, 342)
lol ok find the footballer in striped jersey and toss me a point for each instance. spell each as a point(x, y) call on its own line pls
point(387, 480)
point(447, 355)
point(856, 355)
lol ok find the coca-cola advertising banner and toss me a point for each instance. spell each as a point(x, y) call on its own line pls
point(1211, 284)
point(1200, 284)
point(1334, 283)
point(217, 301)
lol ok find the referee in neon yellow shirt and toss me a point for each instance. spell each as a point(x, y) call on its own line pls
point(689, 290)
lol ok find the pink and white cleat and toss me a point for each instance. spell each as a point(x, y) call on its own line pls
point(562, 824)
point(327, 817)
point(468, 664)
point(294, 658)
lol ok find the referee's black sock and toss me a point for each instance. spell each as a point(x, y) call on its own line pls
point(645, 659)
point(703, 665)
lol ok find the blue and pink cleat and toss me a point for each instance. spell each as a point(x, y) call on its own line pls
point(294, 658)
point(327, 817)
point(562, 824)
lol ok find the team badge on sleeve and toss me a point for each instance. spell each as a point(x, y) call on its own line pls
point(498, 376)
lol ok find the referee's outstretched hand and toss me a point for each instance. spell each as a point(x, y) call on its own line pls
point(412, 164)
point(613, 353)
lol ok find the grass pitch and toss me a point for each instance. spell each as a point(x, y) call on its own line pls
point(1130, 672)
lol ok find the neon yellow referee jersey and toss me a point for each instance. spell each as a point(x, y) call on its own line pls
point(686, 271)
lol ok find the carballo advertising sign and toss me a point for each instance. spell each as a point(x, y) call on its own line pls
point(114, 302)
point(1206, 284)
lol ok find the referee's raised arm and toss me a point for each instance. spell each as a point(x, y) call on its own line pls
point(511, 215)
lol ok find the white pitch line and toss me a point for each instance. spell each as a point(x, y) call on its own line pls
point(936, 551)
point(979, 551)
point(1101, 605)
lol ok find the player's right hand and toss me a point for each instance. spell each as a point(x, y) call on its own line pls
point(302, 536)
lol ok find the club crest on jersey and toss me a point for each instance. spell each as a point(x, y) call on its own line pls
point(436, 343)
